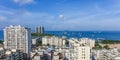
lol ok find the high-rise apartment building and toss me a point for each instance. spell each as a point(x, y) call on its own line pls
point(40, 29)
point(17, 37)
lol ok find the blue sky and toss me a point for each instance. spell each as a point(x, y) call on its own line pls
point(61, 14)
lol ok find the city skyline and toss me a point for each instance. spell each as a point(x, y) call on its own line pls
point(61, 14)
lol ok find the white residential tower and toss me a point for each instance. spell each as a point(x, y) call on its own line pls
point(17, 37)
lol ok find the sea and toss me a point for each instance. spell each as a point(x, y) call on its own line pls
point(97, 35)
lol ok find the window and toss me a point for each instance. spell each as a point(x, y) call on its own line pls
point(83, 57)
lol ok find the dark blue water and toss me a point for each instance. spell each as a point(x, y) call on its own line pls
point(1, 35)
point(97, 35)
point(104, 35)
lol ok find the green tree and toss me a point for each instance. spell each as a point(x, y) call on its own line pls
point(106, 47)
point(97, 46)
point(1, 41)
point(41, 35)
point(38, 43)
point(48, 44)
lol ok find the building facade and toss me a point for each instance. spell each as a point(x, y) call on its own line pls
point(53, 40)
point(88, 42)
point(14, 55)
point(77, 51)
point(17, 37)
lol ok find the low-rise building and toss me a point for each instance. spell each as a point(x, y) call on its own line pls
point(35, 40)
point(53, 40)
point(103, 54)
point(15, 55)
point(2, 52)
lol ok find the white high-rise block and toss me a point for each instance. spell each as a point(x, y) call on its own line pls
point(17, 37)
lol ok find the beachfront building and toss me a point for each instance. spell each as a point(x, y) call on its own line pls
point(87, 41)
point(18, 38)
point(40, 29)
point(53, 40)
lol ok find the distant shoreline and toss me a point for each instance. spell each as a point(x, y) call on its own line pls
point(108, 41)
point(97, 35)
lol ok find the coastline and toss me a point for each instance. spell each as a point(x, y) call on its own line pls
point(97, 35)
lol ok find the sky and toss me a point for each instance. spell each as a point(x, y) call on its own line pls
point(75, 15)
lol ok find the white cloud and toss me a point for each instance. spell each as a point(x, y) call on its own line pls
point(61, 16)
point(23, 2)
point(3, 18)
point(6, 12)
